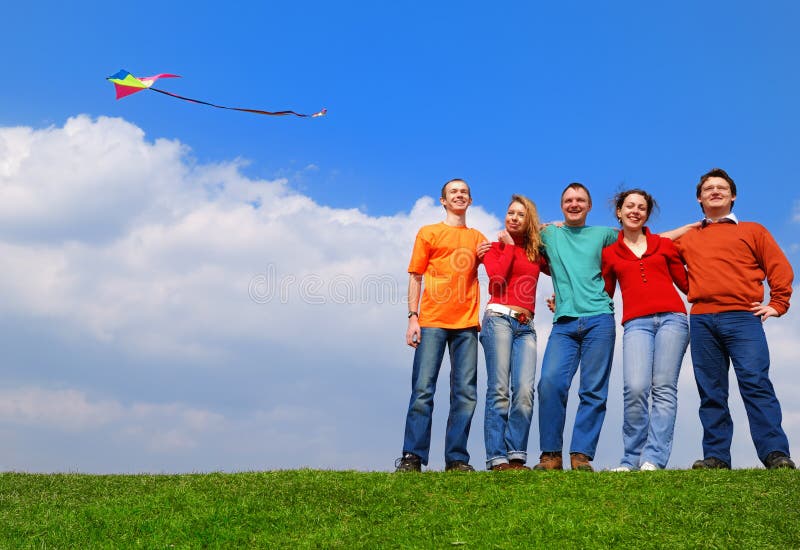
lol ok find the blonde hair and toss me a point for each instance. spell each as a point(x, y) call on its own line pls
point(533, 239)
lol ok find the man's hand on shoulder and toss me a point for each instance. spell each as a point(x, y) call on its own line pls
point(674, 234)
point(483, 248)
point(763, 311)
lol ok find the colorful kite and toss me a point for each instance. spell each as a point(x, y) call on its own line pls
point(127, 84)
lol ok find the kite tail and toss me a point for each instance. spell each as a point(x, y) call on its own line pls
point(256, 111)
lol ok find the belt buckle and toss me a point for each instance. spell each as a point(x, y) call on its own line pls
point(523, 318)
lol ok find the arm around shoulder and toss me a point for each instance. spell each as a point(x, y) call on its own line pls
point(673, 234)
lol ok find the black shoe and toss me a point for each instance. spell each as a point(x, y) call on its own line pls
point(458, 466)
point(409, 462)
point(778, 459)
point(711, 463)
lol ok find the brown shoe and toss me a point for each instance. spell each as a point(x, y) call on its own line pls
point(503, 466)
point(580, 461)
point(517, 464)
point(550, 461)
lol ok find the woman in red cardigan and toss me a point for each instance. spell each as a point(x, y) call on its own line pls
point(656, 331)
point(513, 264)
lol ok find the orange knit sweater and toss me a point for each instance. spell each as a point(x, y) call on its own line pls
point(727, 266)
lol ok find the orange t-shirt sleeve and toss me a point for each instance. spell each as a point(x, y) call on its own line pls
point(420, 255)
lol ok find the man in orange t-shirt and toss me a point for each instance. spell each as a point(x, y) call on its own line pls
point(728, 261)
point(444, 261)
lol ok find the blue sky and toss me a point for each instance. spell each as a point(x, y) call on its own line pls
point(155, 320)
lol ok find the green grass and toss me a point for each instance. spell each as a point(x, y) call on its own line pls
point(326, 509)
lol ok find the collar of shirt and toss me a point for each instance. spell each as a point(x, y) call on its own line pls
point(730, 218)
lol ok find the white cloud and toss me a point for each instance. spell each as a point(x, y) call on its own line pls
point(142, 247)
point(160, 428)
point(63, 409)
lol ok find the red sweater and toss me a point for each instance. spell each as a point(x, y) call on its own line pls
point(512, 276)
point(646, 282)
point(728, 264)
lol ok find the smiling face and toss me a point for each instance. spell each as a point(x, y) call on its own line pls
point(633, 212)
point(516, 219)
point(716, 198)
point(575, 204)
point(456, 197)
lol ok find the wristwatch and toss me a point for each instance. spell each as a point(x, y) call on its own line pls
point(412, 313)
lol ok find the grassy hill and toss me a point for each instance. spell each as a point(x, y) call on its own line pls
point(328, 509)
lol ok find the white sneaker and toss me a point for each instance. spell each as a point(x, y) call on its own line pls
point(620, 469)
point(648, 467)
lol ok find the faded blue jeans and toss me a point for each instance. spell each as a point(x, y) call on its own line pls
point(653, 347)
point(463, 346)
point(510, 350)
point(737, 337)
point(588, 342)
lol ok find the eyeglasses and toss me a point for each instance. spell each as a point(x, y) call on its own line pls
point(710, 188)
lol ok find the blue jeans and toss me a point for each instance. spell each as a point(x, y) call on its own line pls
point(463, 346)
point(584, 341)
point(653, 347)
point(510, 350)
point(738, 337)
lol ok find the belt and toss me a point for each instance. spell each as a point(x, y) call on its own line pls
point(520, 316)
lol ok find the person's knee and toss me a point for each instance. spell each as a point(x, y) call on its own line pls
point(524, 399)
point(637, 389)
point(552, 383)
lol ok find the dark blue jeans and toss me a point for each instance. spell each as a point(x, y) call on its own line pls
point(584, 341)
point(718, 339)
point(463, 346)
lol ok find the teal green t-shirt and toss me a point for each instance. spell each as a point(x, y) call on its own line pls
point(574, 255)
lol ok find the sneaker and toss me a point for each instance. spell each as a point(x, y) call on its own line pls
point(550, 461)
point(620, 468)
point(648, 467)
point(501, 467)
point(517, 464)
point(778, 459)
point(711, 463)
point(409, 462)
point(580, 461)
point(458, 466)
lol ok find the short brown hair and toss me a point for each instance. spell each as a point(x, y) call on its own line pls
point(444, 187)
point(716, 173)
point(576, 185)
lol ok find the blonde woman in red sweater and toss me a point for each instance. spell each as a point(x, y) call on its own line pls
point(656, 331)
point(513, 264)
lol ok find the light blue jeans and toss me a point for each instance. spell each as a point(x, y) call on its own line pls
point(510, 350)
point(653, 347)
point(463, 346)
point(588, 342)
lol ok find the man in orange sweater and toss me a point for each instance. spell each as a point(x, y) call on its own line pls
point(728, 261)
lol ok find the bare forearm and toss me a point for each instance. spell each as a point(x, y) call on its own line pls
point(414, 291)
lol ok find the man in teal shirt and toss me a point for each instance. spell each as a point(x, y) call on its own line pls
point(583, 334)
